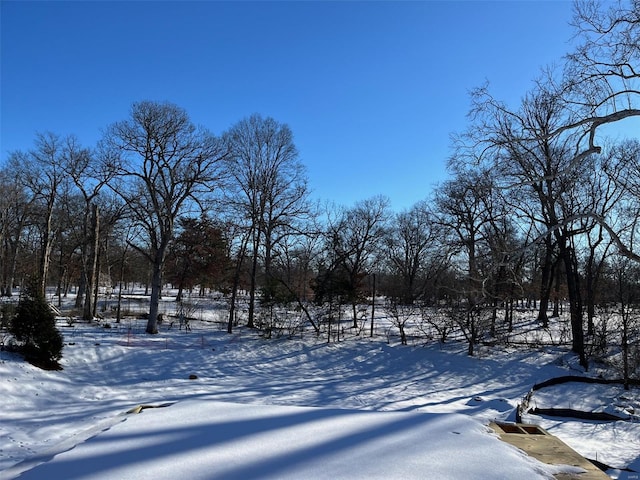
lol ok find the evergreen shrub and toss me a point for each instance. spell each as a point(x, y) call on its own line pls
point(34, 328)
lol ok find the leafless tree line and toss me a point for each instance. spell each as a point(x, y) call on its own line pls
point(542, 206)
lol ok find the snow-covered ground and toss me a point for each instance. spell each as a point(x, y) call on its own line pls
point(286, 408)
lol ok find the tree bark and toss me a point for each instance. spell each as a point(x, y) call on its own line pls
point(545, 284)
point(236, 282)
point(156, 286)
point(156, 290)
point(575, 300)
point(47, 247)
point(254, 282)
point(91, 275)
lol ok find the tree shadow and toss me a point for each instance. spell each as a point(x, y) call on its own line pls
point(104, 456)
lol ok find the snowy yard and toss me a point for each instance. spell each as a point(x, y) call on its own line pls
point(289, 408)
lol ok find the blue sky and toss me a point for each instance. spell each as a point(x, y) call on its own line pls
point(371, 90)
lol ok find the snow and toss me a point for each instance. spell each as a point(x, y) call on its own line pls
point(281, 408)
point(200, 439)
point(615, 443)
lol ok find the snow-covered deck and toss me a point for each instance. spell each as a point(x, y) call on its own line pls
point(540, 444)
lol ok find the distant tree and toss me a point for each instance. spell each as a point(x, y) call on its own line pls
point(407, 245)
point(353, 240)
point(164, 167)
point(331, 283)
point(621, 166)
point(602, 194)
point(199, 256)
point(292, 270)
point(504, 257)
point(401, 315)
point(15, 207)
point(294, 261)
point(41, 173)
point(332, 288)
point(462, 214)
point(89, 176)
point(268, 189)
point(626, 275)
point(68, 242)
point(121, 258)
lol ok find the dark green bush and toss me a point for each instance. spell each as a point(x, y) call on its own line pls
point(34, 328)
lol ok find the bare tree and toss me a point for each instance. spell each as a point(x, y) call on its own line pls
point(269, 188)
point(602, 76)
point(15, 206)
point(625, 275)
point(462, 214)
point(354, 239)
point(42, 175)
point(123, 232)
point(88, 176)
point(294, 256)
point(603, 193)
point(601, 84)
point(239, 234)
point(534, 159)
point(402, 315)
point(542, 150)
point(164, 167)
point(68, 240)
point(407, 245)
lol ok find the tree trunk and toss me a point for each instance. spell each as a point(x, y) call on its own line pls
point(234, 292)
point(86, 241)
point(545, 284)
point(575, 300)
point(45, 257)
point(556, 290)
point(236, 282)
point(82, 286)
point(511, 312)
point(96, 290)
point(472, 336)
point(254, 280)
point(268, 281)
point(625, 346)
point(354, 312)
point(156, 291)
point(232, 308)
point(591, 295)
point(15, 249)
point(252, 291)
point(92, 266)
point(373, 304)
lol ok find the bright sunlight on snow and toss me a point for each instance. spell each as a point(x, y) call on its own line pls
point(284, 408)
